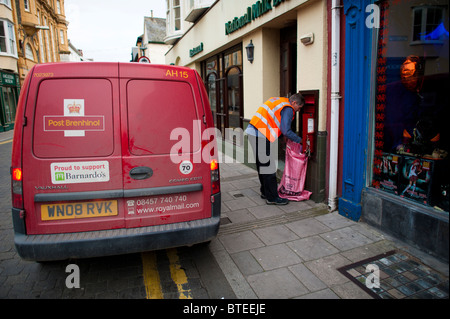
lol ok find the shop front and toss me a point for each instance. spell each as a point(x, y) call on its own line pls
point(9, 94)
point(249, 52)
point(396, 110)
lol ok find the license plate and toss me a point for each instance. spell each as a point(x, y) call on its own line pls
point(79, 210)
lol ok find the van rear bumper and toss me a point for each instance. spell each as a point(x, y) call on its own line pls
point(115, 242)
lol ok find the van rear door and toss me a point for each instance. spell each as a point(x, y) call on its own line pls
point(165, 179)
point(71, 149)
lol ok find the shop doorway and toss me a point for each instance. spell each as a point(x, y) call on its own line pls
point(288, 61)
point(288, 75)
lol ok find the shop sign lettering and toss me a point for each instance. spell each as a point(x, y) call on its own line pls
point(255, 11)
point(196, 50)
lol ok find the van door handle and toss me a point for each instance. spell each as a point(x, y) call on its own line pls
point(141, 172)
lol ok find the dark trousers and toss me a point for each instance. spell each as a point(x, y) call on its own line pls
point(266, 154)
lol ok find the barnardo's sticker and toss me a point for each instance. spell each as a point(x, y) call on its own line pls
point(80, 172)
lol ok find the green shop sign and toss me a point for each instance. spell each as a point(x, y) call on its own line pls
point(255, 11)
point(196, 50)
point(8, 79)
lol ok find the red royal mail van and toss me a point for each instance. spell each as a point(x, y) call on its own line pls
point(112, 158)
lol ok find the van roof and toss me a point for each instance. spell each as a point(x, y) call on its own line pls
point(106, 69)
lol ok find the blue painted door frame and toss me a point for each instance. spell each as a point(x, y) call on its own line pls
point(358, 57)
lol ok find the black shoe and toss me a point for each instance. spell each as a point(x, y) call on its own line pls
point(278, 201)
point(263, 196)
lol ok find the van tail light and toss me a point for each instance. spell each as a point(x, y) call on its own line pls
point(215, 178)
point(16, 187)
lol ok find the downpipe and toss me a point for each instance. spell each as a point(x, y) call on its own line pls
point(335, 102)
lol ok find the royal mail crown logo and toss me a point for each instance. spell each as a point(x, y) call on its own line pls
point(74, 108)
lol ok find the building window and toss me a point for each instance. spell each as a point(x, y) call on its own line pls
point(61, 35)
point(428, 24)
point(58, 7)
point(41, 58)
point(47, 42)
point(7, 38)
point(29, 52)
point(54, 47)
point(12, 39)
point(177, 14)
point(3, 38)
point(168, 23)
point(411, 136)
point(6, 3)
point(26, 5)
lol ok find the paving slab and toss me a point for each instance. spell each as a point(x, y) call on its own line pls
point(240, 216)
point(311, 248)
point(240, 203)
point(326, 269)
point(307, 277)
point(275, 256)
point(275, 234)
point(241, 241)
point(308, 227)
point(247, 263)
point(265, 211)
point(346, 238)
point(276, 284)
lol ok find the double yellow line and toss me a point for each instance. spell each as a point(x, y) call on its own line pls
point(6, 142)
point(152, 279)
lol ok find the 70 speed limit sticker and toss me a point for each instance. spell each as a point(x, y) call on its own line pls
point(186, 167)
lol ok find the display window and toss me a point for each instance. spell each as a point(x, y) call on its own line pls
point(411, 113)
point(222, 75)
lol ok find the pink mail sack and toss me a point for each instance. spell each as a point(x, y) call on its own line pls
point(293, 181)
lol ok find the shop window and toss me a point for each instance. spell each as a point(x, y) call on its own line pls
point(234, 98)
point(222, 74)
point(9, 104)
point(212, 94)
point(411, 136)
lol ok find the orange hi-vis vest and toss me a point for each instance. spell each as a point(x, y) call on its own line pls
point(268, 117)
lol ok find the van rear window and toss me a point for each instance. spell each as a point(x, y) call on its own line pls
point(73, 118)
point(155, 108)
